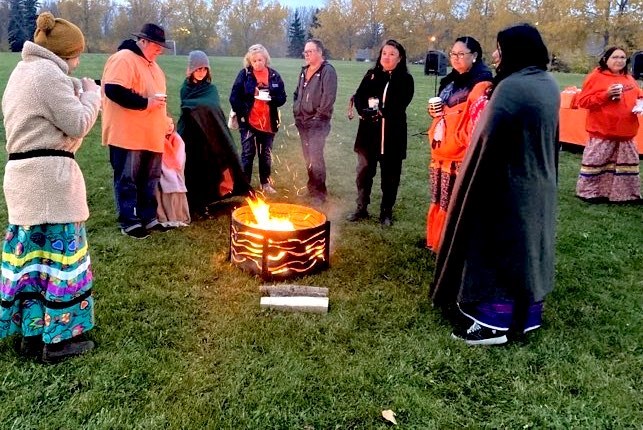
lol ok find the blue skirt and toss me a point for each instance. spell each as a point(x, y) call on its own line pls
point(499, 315)
point(46, 282)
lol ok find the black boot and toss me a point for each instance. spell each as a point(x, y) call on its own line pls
point(386, 217)
point(360, 213)
point(31, 347)
point(56, 352)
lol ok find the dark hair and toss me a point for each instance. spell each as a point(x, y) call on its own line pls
point(472, 44)
point(207, 78)
point(520, 46)
point(602, 63)
point(319, 44)
point(479, 71)
point(395, 44)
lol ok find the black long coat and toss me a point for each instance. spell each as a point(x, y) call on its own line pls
point(392, 110)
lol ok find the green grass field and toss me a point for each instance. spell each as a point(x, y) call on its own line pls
point(183, 344)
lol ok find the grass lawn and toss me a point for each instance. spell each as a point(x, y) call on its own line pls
point(182, 342)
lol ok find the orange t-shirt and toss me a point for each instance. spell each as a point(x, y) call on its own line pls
point(130, 128)
point(259, 117)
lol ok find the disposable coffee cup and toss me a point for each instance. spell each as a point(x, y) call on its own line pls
point(263, 95)
point(618, 87)
point(373, 103)
point(435, 105)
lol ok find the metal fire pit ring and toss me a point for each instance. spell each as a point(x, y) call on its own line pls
point(278, 255)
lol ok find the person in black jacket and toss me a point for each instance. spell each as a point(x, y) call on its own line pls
point(381, 100)
point(256, 95)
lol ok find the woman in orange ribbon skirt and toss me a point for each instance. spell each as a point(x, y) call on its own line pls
point(610, 165)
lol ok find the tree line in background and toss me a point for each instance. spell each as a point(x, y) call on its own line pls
point(575, 30)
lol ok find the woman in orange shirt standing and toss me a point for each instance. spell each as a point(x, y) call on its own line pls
point(610, 165)
point(451, 128)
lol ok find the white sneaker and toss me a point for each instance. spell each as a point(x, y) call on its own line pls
point(267, 188)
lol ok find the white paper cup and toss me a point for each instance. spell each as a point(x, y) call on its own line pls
point(435, 105)
point(373, 103)
point(619, 88)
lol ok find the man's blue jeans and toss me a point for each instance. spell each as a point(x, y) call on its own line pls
point(313, 136)
point(136, 176)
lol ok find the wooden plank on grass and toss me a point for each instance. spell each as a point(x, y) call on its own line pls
point(293, 290)
point(317, 305)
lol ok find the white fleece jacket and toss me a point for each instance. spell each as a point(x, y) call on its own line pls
point(43, 110)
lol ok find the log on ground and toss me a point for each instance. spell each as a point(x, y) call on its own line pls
point(317, 305)
point(293, 290)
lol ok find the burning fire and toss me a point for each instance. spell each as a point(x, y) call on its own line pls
point(261, 212)
point(294, 240)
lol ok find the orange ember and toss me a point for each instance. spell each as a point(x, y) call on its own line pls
point(261, 212)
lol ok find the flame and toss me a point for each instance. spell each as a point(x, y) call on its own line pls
point(276, 255)
point(261, 212)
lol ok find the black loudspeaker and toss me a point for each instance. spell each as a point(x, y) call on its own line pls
point(436, 63)
point(637, 65)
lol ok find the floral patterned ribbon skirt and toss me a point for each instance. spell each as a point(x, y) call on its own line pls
point(46, 282)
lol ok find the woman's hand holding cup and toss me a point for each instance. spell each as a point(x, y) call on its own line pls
point(436, 107)
point(615, 91)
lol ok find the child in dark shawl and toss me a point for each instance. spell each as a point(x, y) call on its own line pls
point(212, 168)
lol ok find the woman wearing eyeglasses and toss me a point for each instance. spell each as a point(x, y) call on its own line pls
point(312, 108)
point(610, 166)
point(495, 266)
point(451, 128)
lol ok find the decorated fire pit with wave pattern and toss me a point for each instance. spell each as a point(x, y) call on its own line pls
point(279, 241)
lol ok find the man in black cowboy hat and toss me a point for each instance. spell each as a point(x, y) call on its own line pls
point(152, 33)
point(134, 124)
